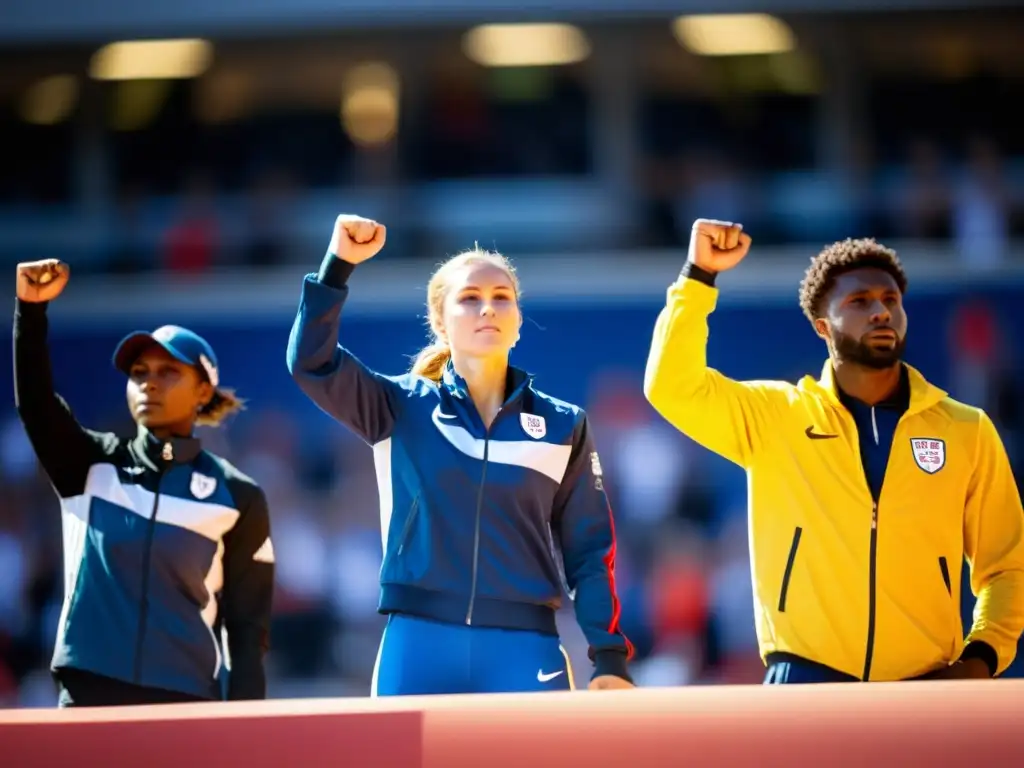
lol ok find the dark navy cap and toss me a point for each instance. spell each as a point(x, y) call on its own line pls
point(181, 343)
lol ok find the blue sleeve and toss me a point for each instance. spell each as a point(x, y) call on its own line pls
point(331, 376)
point(586, 531)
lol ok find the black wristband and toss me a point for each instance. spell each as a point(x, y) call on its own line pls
point(334, 272)
point(701, 275)
point(611, 661)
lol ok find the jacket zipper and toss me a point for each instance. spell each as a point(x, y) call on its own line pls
point(167, 455)
point(869, 650)
point(872, 572)
point(480, 503)
point(476, 528)
point(409, 518)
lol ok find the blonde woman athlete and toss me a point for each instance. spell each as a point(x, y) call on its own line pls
point(489, 489)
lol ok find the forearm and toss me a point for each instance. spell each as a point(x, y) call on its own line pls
point(247, 679)
point(64, 449)
point(33, 375)
point(719, 413)
point(597, 612)
point(677, 362)
point(998, 620)
point(331, 376)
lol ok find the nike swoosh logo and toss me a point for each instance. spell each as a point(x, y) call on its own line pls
point(817, 436)
point(437, 412)
point(543, 678)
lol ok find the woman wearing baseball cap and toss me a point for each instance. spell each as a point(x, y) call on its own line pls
point(167, 550)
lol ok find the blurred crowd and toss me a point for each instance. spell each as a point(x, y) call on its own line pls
point(534, 160)
point(971, 196)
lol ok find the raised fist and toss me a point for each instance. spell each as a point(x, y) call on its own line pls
point(717, 245)
point(39, 281)
point(356, 239)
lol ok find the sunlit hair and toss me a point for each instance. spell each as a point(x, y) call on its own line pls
point(223, 404)
point(431, 360)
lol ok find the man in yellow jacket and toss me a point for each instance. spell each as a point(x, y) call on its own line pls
point(867, 487)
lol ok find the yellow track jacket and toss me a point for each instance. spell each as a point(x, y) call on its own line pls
point(872, 592)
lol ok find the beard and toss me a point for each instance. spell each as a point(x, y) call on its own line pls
point(851, 350)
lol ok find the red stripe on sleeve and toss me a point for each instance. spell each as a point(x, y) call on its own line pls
point(609, 565)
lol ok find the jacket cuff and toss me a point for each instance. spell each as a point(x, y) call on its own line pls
point(334, 272)
point(30, 308)
point(611, 662)
point(978, 649)
point(699, 274)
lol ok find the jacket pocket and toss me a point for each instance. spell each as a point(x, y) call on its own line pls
point(789, 568)
point(944, 568)
point(407, 528)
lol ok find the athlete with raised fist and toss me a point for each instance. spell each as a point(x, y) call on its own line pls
point(489, 489)
point(165, 544)
point(867, 487)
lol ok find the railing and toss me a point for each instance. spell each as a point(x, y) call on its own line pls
point(887, 724)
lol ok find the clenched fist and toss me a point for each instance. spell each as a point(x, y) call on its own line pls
point(39, 281)
point(356, 239)
point(717, 245)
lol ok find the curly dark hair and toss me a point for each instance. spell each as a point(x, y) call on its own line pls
point(839, 258)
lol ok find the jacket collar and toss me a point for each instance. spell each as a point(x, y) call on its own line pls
point(923, 394)
point(515, 383)
point(157, 453)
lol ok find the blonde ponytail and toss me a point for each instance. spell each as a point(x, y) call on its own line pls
point(431, 360)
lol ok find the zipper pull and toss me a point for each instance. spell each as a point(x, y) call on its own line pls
point(168, 452)
point(874, 516)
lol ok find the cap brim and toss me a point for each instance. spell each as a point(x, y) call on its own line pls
point(134, 344)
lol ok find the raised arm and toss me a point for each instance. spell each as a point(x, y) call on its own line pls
point(725, 416)
point(331, 376)
point(64, 448)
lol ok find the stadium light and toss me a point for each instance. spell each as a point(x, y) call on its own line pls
point(151, 60)
point(223, 95)
point(738, 34)
point(526, 45)
point(50, 101)
point(370, 104)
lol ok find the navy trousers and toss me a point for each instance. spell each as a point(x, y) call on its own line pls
point(786, 669)
point(421, 657)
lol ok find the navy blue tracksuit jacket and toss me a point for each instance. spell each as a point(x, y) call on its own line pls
point(478, 525)
point(166, 550)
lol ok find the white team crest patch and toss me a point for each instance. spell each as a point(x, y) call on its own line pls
point(202, 487)
point(929, 453)
point(534, 426)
